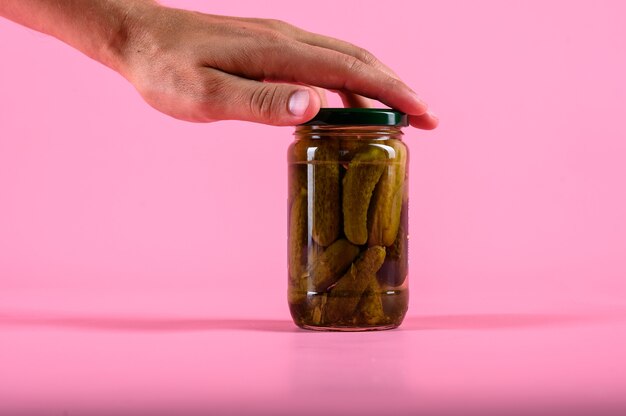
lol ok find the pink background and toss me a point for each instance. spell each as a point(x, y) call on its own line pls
point(143, 259)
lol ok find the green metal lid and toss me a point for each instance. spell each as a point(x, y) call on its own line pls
point(358, 117)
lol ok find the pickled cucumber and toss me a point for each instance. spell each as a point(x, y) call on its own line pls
point(370, 309)
point(297, 237)
point(396, 267)
point(345, 296)
point(326, 199)
point(297, 182)
point(326, 268)
point(364, 172)
point(317, 309)
point(386, 204)
point(297, 157)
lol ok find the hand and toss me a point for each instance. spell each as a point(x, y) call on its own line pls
point(202, 68)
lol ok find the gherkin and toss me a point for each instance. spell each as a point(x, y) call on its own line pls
point(364, 171)
point(396, 267)
point(344, 297)
point(326, 268)
point(297, 182)
point(297, 245)
point(297, 157)
point(370, 310)
point(316, 309)
point(325, 197)
point(386, 204)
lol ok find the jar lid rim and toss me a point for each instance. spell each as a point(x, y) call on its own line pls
point(358, 117)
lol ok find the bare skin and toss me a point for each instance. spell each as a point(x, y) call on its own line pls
point(202, 68)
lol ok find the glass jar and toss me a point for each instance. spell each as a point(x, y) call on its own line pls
point(348, 221)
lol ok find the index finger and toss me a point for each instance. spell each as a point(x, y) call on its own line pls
point(293, 61)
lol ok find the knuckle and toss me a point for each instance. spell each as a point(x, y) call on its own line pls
point(392, 84)
point(396, 83)
point(209, 97)
point(277, 24)
point(273, 37)
point(353, 64)
point(366, 56)
point(212, 89)
point(272, 45)
point(271, 24)
point(265, 103)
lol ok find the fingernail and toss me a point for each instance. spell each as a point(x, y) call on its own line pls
point(433, 115)
point(299, 102)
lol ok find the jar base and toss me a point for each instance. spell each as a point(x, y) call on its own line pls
point(348, 328)
point(376, 311)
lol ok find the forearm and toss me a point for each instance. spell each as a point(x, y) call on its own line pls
point(98, 28)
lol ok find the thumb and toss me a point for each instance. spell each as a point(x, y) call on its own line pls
point(268, 102)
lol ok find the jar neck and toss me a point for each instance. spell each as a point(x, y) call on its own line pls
point(349, 132)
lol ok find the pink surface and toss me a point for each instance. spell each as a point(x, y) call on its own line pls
point(143, 260)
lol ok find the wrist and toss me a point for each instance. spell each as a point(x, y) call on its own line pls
point(127, 34)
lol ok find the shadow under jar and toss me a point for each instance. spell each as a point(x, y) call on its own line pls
point(348, 221)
